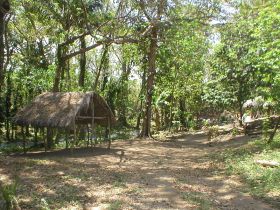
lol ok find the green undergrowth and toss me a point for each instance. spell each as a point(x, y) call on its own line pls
point(263, 181)
point(115, 205)
point(12, 148)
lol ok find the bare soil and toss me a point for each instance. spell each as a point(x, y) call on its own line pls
point(177, 173)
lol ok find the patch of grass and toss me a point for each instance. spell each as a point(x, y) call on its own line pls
point(116, 205)
point(123, 133)
point(8, 193)
point(119, 181)
point(199, 199)
point(8, 149)
point(262, 181)
point(44, 205)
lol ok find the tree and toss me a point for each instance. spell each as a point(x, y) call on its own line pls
point(4, 9)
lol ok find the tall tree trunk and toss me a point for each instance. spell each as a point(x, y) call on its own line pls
point(62, 67)
point(49, 138)
point(240, 103)
point(146, 132)
point(182, 107)
point(126, 69)
point(272, 135)
point(138, 121)
point(157, 119)
point(82, 63)
point(8, 105)
point(2, 47)
point(59, 69)
point(105, 72)
point(101, 66)
point(68, 74)
point(143, 85)
point(4, 9)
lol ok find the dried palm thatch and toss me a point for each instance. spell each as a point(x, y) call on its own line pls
point(64, 110)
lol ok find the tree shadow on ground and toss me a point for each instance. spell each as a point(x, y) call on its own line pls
point(141, 174)
point(74, 152)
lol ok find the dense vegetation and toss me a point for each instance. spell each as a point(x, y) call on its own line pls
point(166, 63)
point(160, 65)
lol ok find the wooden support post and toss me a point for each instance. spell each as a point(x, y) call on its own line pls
point(75, 135)
point(44, 138)
point(88, 136)
point(36, 137)
point(109, 132)
point(24, 140)
point(66, 138)
point(93, 135)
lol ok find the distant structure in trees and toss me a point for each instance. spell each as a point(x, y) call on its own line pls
point(66, 111)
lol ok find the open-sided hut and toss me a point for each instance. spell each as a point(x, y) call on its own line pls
point(66, 111)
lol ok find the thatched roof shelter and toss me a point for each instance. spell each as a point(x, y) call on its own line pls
point(65, 110)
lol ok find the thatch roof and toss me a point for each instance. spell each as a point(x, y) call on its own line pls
point(62, 109)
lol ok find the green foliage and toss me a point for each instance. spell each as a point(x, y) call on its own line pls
point(213, 131)
point(44, 204)
point(196, 77)
point(8, 193)
point(217, 97)
point(116, 205)
point(244, 63)
point(119, 181)
point(266, 128)
point(262, 181)
point(10, 148)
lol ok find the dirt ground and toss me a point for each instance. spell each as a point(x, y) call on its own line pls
point(177, 173)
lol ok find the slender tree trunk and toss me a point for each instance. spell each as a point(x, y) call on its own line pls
point(240, 102)
point(157, 119)
point(27, 130)
point(182, 107)
point(8, 105)
point(139, 116)
point(146, 132)
point(103, 59)
point(66, 65)
point(105, 72)
point(82, 63)
point(2, 47)
point(143, 85)
point(36, 137)
point(59, 69)
point(171, 111)
point(124, 93)
point(49, 138)
point(4, 9)
point(271, 137)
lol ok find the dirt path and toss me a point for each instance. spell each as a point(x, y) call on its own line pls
point(175, 174)
point(180, 173)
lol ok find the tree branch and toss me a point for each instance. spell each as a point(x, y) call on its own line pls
point(142, 5)
point(108, 41)
point(74, 38)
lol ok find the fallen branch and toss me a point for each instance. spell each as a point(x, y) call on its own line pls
point(267, 163)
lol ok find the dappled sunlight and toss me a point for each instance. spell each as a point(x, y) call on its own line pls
point(138, 175)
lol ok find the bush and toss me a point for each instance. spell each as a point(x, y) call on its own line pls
point(8, 193)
